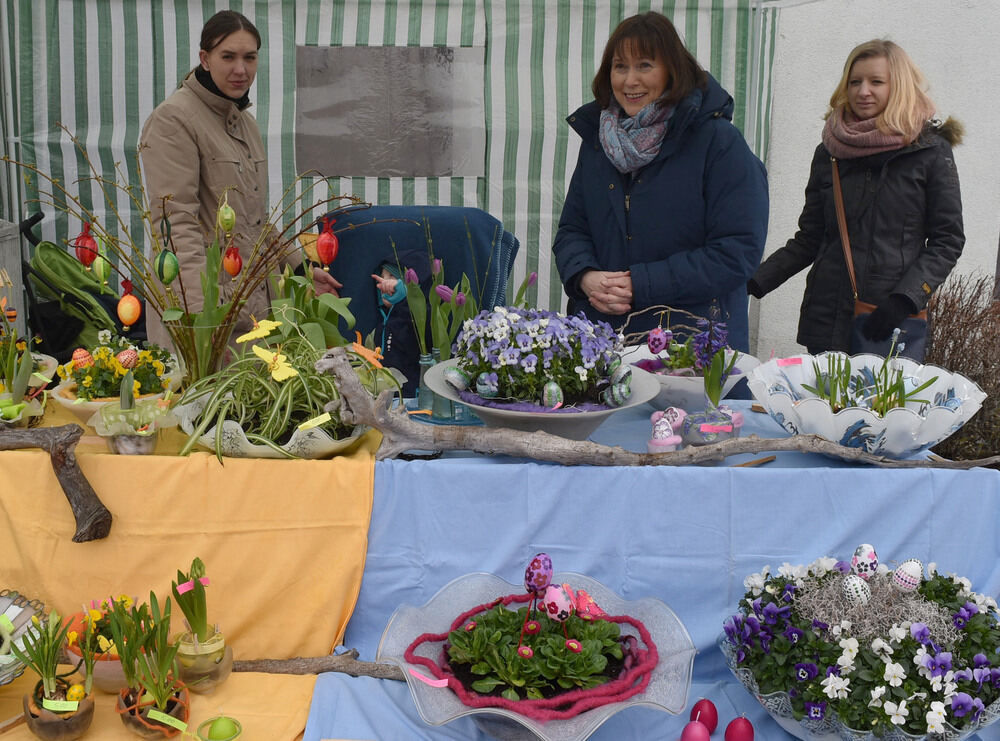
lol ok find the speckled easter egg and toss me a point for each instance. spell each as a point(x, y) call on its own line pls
point(865, 561)
point(856, 590)
point(538, 574)
point(552, 394)
point(457, 377)
point(82, 358)
point(557, 603)
point(128, 358)
point(908, 575)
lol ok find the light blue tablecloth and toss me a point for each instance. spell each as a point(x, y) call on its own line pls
point(685, 535)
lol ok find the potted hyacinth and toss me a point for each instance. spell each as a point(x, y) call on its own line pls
point(861, 651)
point(540, 361)
point(202, 654)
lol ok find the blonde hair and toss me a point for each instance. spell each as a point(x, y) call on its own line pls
point(909, 107)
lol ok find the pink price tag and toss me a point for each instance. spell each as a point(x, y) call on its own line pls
point(715, 428)
point(782, 362)
point(189, 585)
point(428, 680)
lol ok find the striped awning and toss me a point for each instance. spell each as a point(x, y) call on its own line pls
point(99, 67)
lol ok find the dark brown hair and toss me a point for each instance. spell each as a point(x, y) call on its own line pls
point(223, 23)
point(651, 35)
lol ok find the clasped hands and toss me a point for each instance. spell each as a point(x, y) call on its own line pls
point(610, 292)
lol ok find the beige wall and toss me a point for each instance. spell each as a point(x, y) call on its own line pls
point(954, 44)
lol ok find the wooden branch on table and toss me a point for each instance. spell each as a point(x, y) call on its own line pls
point(346, 663)
point(400, 433)
point(93, 520)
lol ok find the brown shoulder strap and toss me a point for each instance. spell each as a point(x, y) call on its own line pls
point(845, 241)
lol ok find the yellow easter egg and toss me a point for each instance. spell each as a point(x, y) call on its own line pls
point(75, 693)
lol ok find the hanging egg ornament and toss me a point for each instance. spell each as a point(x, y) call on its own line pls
point(232, 261)
point(128, 358)
point(327, 245)
point(865, 561)
point(85, 246)
point(557, 603)
point(856, 590)
point(129, 308)
point(166, 267)
point(227, 217)
point(538, 574)
point(82, 359)
point(552, 395)
point(908, 575)
point(101, 268)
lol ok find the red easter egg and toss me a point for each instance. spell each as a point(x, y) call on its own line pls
point(232, 261)
point(704, 711)
point(739, 729)
point(695, 731)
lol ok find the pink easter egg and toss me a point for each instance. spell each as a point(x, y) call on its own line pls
point(557, 603)
point(538, 574)
point(695, 731)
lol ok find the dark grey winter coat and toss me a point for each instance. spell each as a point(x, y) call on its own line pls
point(904, 220)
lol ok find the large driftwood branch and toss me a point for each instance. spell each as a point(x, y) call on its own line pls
point(400, 433)
point(93, 520)
point(346, 663)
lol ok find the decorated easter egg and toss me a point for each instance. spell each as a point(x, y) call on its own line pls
point(75, 693)
point(621, 374)
point(552, 394)
point(856, 590)
point(614, 364)
point(538, 574)
point(557, 603)
point(82, 358)
point(865, 561)
point(457, 377)
point(695, 731)
point(166, 266)
point(704, 712)
point(585, 605)
point(486, 387)
point(908, 575)
point(128, 358)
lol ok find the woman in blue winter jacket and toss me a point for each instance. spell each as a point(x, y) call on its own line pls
point(668, 205)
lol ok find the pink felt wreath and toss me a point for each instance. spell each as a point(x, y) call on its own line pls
point(630, 682)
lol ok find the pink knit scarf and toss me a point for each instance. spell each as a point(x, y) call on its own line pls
point(845, 137)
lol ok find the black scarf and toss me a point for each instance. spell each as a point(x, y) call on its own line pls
point(205, 78)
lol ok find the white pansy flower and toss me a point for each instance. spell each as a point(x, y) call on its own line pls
point(932, 568)
point(582, 372)
point(836, 688)
point(896, 634)
point(945, 684)
point(822, 565)
point(894, 674)
point(877, 692)
point(897, 713)
point(104, 337)
point(881, 647)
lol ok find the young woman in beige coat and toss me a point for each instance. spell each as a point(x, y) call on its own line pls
point(201, 141)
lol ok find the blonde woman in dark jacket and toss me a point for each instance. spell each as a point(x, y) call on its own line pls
point(201, 141)
point(902, 203)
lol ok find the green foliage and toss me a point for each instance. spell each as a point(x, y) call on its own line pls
point(157, 669)
point(879, 390)
point(192, 602)
point(717, 373)
point(490, 651)
point(298, 308)
point(127, 625)
point(42, 649)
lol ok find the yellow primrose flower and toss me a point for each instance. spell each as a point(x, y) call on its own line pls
point(125, 601)
point(278, 364)
point(158, 367)
point(93, 616)
point(71, 637)
point(145, 356)
point(62, 372)
point(87, 381)
point(260, 329)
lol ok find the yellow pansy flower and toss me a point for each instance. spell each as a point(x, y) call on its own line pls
point(87, 381)
point(71, 637)
point(158, 367)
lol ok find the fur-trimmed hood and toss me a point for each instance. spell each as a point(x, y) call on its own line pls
point(952, 130)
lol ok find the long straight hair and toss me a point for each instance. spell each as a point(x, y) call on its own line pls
point(909, 107)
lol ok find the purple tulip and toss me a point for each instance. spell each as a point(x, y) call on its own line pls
point(411, 277)
point(436, 266)
point(444, 292)
point(532, 278)
point(460, 299)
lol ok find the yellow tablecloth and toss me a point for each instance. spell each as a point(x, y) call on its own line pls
point(284, 545)
point(270, 707)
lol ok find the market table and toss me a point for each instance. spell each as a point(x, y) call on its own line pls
point(686, 535)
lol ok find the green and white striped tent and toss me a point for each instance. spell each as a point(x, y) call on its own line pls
point(99, 67)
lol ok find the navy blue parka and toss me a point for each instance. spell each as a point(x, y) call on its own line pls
point(690, 225)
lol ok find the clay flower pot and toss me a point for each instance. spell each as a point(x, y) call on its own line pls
point(134, 708)
point(57, 726)
point(204, 665)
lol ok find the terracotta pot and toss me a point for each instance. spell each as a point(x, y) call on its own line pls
point(205, 665)
point(134, 711)
point(53, 726)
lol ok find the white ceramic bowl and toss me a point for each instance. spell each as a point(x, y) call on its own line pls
point(949, 402)
point(571, 425)
point(686, 392)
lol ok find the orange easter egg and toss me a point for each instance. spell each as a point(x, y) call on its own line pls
point(129, 310)
point(82, 358)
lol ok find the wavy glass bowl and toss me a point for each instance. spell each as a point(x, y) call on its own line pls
point(779, 707)
point(667, 690)
point(686, 392)
point(571, 425)
point(949, 403)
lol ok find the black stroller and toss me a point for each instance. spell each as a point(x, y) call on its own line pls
point(67, 304)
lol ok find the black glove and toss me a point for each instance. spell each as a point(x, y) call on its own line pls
point(754, 289)
point(886, 317)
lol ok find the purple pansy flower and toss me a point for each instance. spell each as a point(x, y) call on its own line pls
point(961, 704)
point(805, 672)
point(940, 664)
point(816, 710)
point(788, 594)
point(772, 612)
point(920, 632)
point(793, 634)
point(844, 567)
point(980, 660)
